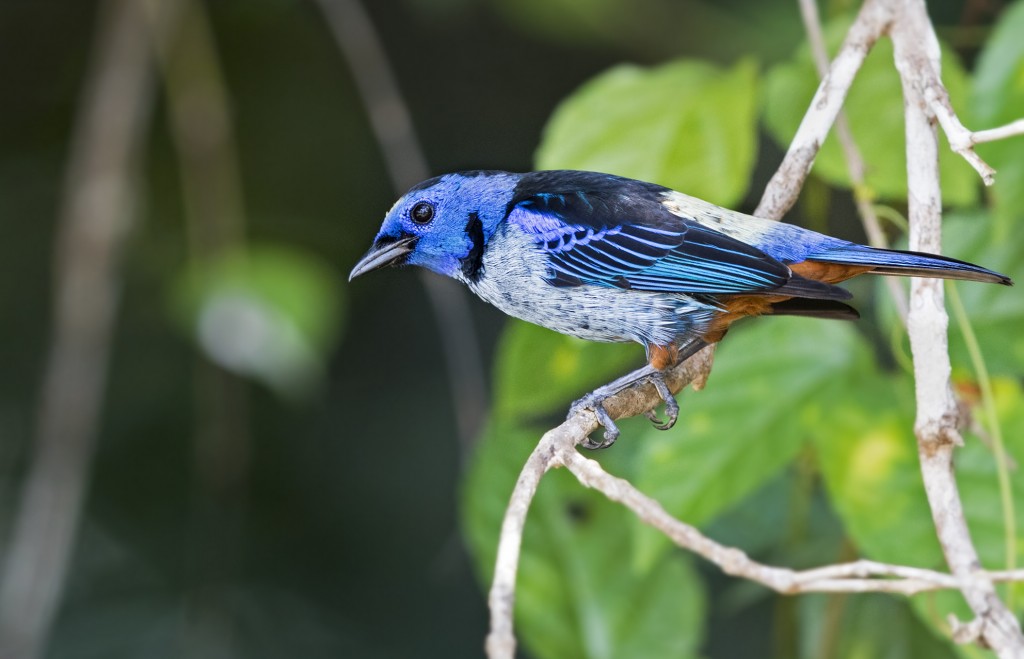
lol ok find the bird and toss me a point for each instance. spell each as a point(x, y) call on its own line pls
point(607, 258)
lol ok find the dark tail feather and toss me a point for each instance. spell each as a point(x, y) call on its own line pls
point(803, 287)
point(829, 309)
point(910, 264)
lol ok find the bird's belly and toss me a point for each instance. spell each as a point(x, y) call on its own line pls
point(512, 278)
point(598, 313)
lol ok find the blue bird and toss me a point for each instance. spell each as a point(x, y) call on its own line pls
point(607, 258)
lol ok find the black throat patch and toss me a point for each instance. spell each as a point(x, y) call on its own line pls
point(472, 264)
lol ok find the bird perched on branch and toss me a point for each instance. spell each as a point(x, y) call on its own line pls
point(607, 258)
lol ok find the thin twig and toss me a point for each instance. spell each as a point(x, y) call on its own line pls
point(389, 116)
point(856, 577)
point(851, 153)
point(922, 72)
point(784, 188)
point(1011, 129)
point(98, 202)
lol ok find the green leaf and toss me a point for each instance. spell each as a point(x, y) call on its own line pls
point(687, 125)
point(266, 312)
point(868, 625)
point(870, 466)
point(577, 594)
point(875, 111)
point(539, 371)
point(770, 384)
point(868, 458)
point(996, 312)
point(997, 97)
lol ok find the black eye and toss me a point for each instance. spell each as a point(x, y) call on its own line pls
point(422, 212)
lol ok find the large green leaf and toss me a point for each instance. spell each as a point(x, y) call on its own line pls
point(770, 385)
point(687, 125)
point(578, 593)
point(870, 465)
point(997, 97)
point(539, 371)
point(875, 111)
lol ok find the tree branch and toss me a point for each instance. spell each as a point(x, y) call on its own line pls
point(851, 152)
point(917, 60)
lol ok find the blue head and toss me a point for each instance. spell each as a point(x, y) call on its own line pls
point(442, 224)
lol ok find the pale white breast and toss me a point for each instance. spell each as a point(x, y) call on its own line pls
point(512, 279)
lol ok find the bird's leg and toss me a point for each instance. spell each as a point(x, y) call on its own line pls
point(650, 373)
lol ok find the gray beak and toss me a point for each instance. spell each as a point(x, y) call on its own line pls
point(382, 255)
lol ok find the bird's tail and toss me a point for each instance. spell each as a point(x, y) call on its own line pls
point(908, 264)
point(830, 309)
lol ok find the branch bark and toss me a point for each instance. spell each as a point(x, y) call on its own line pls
point(917, 59)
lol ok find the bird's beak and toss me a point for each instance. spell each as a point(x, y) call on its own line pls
point(381, 255)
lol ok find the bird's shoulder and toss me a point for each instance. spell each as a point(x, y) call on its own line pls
point(593, 200)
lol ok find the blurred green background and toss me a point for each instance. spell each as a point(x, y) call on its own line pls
point(280, 466)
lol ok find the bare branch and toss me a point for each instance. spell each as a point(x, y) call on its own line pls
point(920, 67)
point(917, 59)
point(1011, 129)
point(852, 154)
point(98, 203)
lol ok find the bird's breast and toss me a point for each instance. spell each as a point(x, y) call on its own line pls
point(513, 276)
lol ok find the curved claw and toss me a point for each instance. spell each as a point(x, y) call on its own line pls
point(658, 423)
point(611, 431)
point(671, 405)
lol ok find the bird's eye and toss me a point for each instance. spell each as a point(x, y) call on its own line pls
point(422, 212)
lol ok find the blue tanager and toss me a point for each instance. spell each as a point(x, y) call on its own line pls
point(607, 258)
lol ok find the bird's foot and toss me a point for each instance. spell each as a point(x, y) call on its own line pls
point(595, 401)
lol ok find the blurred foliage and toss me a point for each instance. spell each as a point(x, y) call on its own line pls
point(266, 312)
point(802, 443)
point(648, 124)
point(997, 95)
point(874, 107)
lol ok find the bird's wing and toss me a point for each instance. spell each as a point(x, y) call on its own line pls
point(637, 243)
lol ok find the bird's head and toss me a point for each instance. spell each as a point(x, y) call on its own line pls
point(442, 224)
